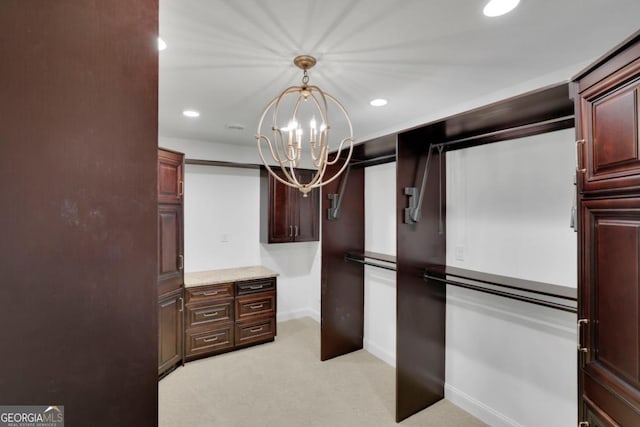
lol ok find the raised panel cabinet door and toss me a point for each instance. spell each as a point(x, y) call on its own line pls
point(609, 115)
point(170, 176)
point(609, 305)
point(170, 331)
point(170, 250)
point(280, 221)
point(306, 212)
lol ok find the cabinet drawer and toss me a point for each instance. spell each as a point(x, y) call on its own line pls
point(255, 305)
point(213, 312)
point(255, 286)
point(209, 341)
point(209, 292)
point(252, 331)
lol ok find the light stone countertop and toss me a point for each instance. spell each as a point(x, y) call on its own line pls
point(225, 275)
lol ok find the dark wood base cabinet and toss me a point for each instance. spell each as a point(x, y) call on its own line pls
point(226, 316)
point(607, 103)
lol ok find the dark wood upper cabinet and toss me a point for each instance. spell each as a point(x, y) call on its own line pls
point(609, 238)
point(286, 214)
point(608, 132)
point(170, 176)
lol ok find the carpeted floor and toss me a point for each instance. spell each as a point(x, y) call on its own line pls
point(284, 384)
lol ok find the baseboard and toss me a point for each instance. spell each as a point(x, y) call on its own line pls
point(380, 352)
point(283, 316)
point(477, 408)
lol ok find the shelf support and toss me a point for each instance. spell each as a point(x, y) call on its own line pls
point(412, 212)
point(336, 199)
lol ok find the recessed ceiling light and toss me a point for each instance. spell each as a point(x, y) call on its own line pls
point(378, 102)
point(161, 44)
point(499, 7)
point(191, 113)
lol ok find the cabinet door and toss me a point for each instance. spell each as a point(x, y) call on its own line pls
point(280, 220)
point(170, 258)
point(170, 331)
point(610, 302)
point(306, 211)
point(609, 115)
point(170, 176)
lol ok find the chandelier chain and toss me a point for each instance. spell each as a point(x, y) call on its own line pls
point(305, 78)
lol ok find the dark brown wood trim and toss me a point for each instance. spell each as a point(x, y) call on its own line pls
point(620, 48)
point(223, 164)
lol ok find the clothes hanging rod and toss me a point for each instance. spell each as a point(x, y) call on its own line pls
point(367, 257)
point(507, 130)
point(478, 286)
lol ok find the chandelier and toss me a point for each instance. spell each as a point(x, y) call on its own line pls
point(296, 145)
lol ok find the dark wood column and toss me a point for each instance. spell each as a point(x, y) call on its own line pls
point(342, 282)
point(78, 131)
point(420, 340)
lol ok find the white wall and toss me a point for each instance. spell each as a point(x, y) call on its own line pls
point(380, 284)
point(222, 211)
point(508, 208)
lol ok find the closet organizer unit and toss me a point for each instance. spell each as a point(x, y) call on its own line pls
point(421, 273)
point(607, 105)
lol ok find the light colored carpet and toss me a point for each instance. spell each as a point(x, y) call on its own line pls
point(284, 384)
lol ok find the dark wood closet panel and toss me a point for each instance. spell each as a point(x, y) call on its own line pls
point(342, 282)
point(421, 306)
point(79, 132)
point(608, 137)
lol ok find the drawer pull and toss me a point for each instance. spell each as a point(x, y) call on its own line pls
point(210, 339)
point(213, 313)
point(254, 330)
point(256, 306)
point(210, 293)
point(255, 287)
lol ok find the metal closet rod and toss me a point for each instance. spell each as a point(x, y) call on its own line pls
point(364, 261)
point(478, 287)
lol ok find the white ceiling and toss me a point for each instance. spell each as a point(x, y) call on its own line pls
point(229, 58)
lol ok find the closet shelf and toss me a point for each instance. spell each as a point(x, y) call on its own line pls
point(375, 259)
point(538, 293)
